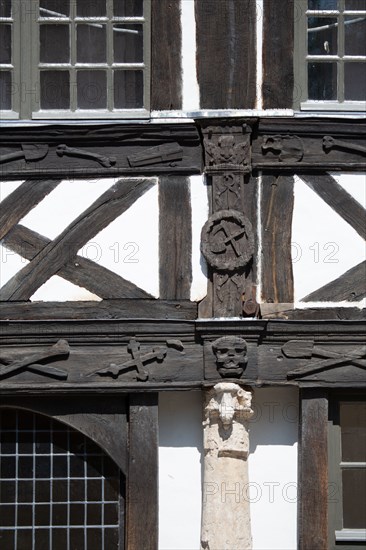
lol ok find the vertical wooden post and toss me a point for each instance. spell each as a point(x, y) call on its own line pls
point(313, 470)
point(142, 483)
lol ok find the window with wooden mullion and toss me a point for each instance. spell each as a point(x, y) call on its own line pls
point(330, 38)
point(78, 59)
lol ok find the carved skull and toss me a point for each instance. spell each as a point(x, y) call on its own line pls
point(231, 359)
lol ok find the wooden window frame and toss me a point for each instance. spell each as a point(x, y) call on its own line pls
point(319, 494)
point(301, 57)
point(26, 69)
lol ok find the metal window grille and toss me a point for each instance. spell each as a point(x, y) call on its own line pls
point(58, 490)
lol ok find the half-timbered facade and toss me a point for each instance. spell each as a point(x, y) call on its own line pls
point(182, 286)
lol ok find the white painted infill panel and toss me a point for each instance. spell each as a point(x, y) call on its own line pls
point(57, 289)
point(180, 455)
point(199, 202)
point(354, 183)
point(273, 469)
point(7, 187)
point(324, 246)
point(129, 246)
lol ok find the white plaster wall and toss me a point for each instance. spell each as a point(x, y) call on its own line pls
point(324, 246)
point(180, 452)
point(199, 204)
point(273, 469)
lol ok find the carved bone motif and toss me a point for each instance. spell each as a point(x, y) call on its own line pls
point(30, 153)
point(290, 148)
point(305, 349)
point(330, 143)
point(138, 360)
point(59, 350)
point(231, 356)
point(107, 162)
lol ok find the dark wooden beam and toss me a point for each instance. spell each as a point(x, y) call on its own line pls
point(57, 253)
point(313, 470)
point(16, 205)
point(337, 198)
point(175, 238)
point(278, 51)
point(166, 65)
point(142, 484)
point(81, 271)
point(351, 286)
point(277, 209)
point(106, 309)
point(226, 48)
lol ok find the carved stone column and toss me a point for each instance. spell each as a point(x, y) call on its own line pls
point(226, 514)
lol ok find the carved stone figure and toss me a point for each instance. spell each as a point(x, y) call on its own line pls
point(226, 511)
point(227, 240)
point(288, 147)
point(231, 356)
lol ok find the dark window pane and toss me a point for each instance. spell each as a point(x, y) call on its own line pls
point(355, 4)
point(77, 490)
point(91, 44)
point(322, 81)
point(77, 539)
point(25, 445)
point(355, 81)
point(42, 514)
point(355, 35)
point(128, 89)
point(111, 539)
point(88, 8)
point(25, 515)
point(128, 8)
point(354, 498)
point(128, 43)
point(59, 514)
point(43, 466)
point(5, 43)
point(94, 514)
point(5, 103)
point(25, 491)
point(42, 491)
point(54, 44)
point(42, 442)
point(5, 8)
point(25, 467)
point(94, 538)
point(7, 467)
point(322, 36)
point(353, 430)
point(59, 539)
point(24, 538)
point(54, 8)
point(77, 514)
point(59, 491)
point(7, 491)
point(94, 490)
point(323, 4)
point(60, 466)
point(92, 89)
point(42, 539)
point(55, 90)
point(60, 442)
point(76, 466)
point(7, 516)
point(111, 514)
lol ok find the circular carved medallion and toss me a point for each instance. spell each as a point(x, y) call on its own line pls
point(227, 240)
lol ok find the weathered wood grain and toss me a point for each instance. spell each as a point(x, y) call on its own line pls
point(351, 286)
point(16, 205)
point(166, 64)
point(226, 47)
point(175, 238)
point(284, 311)
point(101, 213)
point(313, 471)
point(278, 51)
point(80, 271)
point(337, 197)
point(142, 484)
point(107, 309)
point(277, 209)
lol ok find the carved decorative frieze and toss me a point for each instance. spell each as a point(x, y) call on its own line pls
point(227, 149)
point(37, 362)
point(227, 240)
point(30, 152)
point(106, 162)
point(325, 357)
point(231, 356)
point(330, 143)
point(166, 153)
point(286, 147)
point(139, 360)
point(226, 512)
